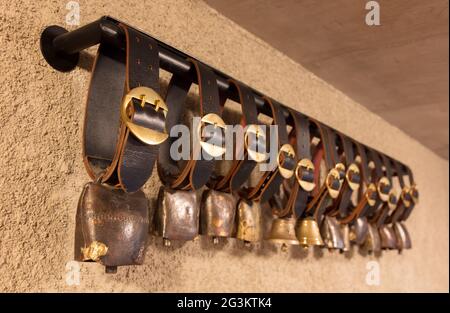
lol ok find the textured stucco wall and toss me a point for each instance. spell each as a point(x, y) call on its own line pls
point(41, 171)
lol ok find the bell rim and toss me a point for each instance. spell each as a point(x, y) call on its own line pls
point(291, 242)
point(315, 242)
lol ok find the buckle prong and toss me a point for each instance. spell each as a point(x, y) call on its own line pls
point(147, 96)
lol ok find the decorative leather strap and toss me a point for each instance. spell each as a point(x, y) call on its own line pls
point(195, 172)
point(110, 150)
point(271, 180)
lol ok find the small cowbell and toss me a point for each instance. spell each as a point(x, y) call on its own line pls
point(249, 222)
point(402, 235)
point(388, 238)
point(331, 233)
point(217, 215)
point(345, 230)
point(359, 231)
point(373, 241)
point(308, 232)
point(177, 215)
point(283, 232)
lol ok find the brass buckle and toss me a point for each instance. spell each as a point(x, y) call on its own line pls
point(414, 193)
point(147, 96)
point(392, 201)
point(289, 150)
point(352, 173)
point(406, 197)
point(382, 184)
point(341, 169)
point(371, 194)
point(256, 156)
point(331, 179)
point(305, 166)
point(215, 120)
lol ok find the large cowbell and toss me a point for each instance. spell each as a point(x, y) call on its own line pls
point(217, 216)
point(177, 215)
point(111, 226)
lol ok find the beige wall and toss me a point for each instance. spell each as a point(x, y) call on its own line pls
point(41, 172)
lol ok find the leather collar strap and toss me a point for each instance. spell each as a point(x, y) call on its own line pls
point(352, 177)
point(271, 180)
point(369, 198)
point(242, 167)
point(413, 191)
point(330, 189)
point(382, 183)
point(304, 172)
point(380, 218)
point(195, 172)
point(111, 151)
point(405, 201)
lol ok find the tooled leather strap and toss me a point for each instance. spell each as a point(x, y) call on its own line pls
point(363, 204)
point(242, 168)
point(195, 172)
point(110, 150)
point(271, 180)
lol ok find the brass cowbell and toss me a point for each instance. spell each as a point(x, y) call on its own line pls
point(283, 232)
point(331, 233)
point(308, 232)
